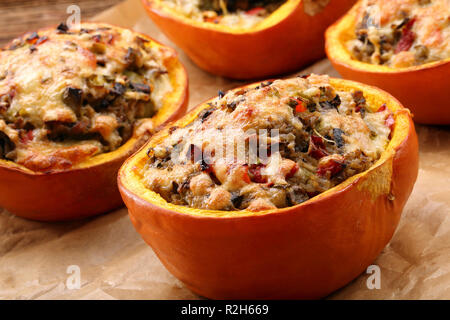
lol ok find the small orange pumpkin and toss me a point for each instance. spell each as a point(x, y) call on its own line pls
point(423, 89)
point(283, 42)
point(89, 188)
point(304, 251)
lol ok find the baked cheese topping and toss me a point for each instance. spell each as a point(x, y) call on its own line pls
point(402, 33)
point(67, 95)
point(232, 13)
point(272, 146)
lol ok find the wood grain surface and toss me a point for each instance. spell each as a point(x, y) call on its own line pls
point(19, 16)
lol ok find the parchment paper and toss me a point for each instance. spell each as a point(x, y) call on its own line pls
point(115, 263)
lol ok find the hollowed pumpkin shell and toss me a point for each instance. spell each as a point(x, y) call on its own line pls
point(304, 251)
point(424, 89)
point(283, 42)
point(89, 188)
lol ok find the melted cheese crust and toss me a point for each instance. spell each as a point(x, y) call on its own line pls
point(323, 137)
point(241, 18)
point(427, 38)
point(67, 95)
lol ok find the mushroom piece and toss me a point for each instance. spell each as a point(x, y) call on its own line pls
point(6, 145)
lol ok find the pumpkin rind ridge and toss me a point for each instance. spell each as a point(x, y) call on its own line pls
point(277, 49)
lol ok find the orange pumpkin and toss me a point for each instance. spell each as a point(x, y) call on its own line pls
point(285, 41)
point(90, 187)
point(304, 251)
point(423, 89)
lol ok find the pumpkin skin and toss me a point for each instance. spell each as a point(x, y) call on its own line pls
point(290, 40)
point(423, 89)
point(300, 252)
point(89, 188)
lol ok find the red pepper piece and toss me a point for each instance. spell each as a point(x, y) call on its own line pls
point(382, 108)
point(246, 177)
point(332, 166)
point(41, 40)
point(389, 122)
point(317, 147)
point(111, 39)
point(318, 141)
point(297, 104)
point(32, 38)
point(408, 37)
point(27, 137)
point(97, 38)
point(254, 171)
point(292, 172)
point(300, 107)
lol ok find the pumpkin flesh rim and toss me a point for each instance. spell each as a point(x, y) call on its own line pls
point(131, 184)
point(282, 13)
point(177, 96)
point(342, 30)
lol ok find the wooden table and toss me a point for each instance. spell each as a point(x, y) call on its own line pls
point(19, 16)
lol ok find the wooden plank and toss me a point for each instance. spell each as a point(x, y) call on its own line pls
point(20, 16)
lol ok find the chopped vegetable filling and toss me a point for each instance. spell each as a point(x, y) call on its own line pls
point(272, 146)
point(402, 33)
point(67, 95)
point(233, 13)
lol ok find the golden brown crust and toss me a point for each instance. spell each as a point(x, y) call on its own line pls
point(69, 94)
point(401, 33)
point(234, 14)
point(272, 146)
